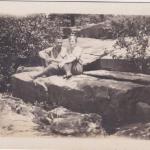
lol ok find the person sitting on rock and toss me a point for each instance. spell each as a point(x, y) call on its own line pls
point(63, 60)
point(50, 53)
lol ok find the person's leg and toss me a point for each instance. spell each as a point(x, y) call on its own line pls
point(50, 70)
point(67, 69)
point(74, 68)
point(77, 68)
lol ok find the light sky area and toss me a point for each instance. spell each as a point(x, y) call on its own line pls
point(27, 8)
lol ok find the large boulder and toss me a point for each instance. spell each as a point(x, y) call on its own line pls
point(114, 100)
point(66, 122)
point(101, 30)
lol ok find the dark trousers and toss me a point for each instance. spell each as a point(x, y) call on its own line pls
point(74, 68)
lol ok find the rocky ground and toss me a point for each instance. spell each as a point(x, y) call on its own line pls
point(18, 118)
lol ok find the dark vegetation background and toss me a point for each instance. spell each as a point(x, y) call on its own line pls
point(21, 38)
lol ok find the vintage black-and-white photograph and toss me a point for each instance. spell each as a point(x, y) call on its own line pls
point(75, 75)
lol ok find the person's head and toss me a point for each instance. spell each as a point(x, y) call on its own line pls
point(72, 40)
point(58, 41)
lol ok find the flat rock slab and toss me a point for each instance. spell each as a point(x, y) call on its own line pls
point(122, 76)
point(114, 100)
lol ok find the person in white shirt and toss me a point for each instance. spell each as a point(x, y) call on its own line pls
point(50, 53)
point(61, 60)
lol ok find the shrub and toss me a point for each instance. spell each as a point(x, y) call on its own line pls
point(117, 26)
point(129, 25)
point(136, 49)
point(21, 39)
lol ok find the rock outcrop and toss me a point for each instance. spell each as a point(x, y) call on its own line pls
point(66, 122)
point(113, 99)
point(102, 30)
point(24, 119)
point(121, 76)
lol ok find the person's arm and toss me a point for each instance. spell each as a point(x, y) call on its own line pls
point(47, 56)
point(44, 54)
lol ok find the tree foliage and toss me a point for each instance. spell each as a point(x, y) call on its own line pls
point(129, 25)
point(135, 49)
point(22, 38)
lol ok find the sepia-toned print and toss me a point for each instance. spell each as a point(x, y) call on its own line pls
point(75, 75)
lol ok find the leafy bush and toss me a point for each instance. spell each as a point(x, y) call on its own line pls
point(129, 25)
point(136, 49)
point(21, 39)
point(117, 26)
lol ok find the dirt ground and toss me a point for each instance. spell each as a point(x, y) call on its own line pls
point(20, 119)
point(18, 130)
point(13, 123)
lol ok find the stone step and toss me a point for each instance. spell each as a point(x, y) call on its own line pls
point(121, 76)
